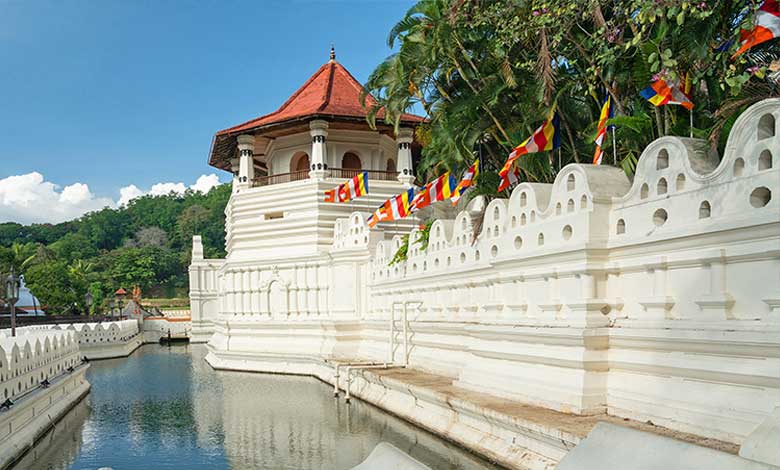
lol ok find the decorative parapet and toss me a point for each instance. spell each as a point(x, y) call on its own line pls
point(594, 218)
point(28, 361)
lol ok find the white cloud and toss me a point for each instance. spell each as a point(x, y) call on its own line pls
point(29, 198)
point(203, 184)
point(129, 192)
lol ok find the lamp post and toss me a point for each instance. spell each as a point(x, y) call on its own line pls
point(88, 301)
point(12, 295)
point(120, 295)
point(111, 306)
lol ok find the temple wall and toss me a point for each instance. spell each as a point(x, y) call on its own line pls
point(655, 299)
point(97, 340)
point(26, 361)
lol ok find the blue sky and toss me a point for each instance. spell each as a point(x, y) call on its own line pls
point(112, 93)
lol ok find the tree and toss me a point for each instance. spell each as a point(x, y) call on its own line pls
point(53, 285)
point(487, 73)
point(149, 236)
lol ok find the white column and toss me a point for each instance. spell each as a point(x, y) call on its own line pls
point(246, 166)
point(404, 160)
point(319, 133)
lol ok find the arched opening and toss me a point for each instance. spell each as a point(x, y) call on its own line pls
point(391, 166)
point(765, 160)
point(680, 183)
point(350, 161)
point(643, 192)
point(704, 210)
point(299, 162)
point(621, 227)
point(662, 186)
point(739, 167)
point(663, 160)
point(570, 183)
point(766, 126)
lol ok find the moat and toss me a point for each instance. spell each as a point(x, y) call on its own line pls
point(166, 408)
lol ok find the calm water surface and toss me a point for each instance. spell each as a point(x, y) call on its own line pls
point(165, 408)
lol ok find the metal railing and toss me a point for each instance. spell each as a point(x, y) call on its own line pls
point(5, 322)
point(376, 175)
point(281, 178)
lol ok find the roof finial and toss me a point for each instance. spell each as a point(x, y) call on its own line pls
point(332, 52)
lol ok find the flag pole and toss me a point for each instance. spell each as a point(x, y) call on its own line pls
point(614, 147)
point(691, 122)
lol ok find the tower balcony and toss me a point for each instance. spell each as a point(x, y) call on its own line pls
point(345, 173)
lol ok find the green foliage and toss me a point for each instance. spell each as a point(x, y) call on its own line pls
point(423, 237)
point(486, 73)
point(402, 251)
point(146, 243)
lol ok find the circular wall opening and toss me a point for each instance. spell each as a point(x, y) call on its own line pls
point(659, 217)
point(567, 232)
point(760, 197)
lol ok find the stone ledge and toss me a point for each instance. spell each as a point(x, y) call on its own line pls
point(508, 432)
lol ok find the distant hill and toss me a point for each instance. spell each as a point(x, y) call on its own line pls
point(145, 243)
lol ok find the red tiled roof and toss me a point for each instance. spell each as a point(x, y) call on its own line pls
point(331, 91)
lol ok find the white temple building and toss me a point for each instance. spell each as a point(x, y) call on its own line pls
point(654, 299)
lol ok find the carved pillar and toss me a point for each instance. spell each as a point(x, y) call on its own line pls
point(318, 130)
point(404, 160)
point(246, 166)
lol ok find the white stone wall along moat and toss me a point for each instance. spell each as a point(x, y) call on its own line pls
point(655, 299)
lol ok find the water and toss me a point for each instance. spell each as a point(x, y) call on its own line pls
point(165, 408)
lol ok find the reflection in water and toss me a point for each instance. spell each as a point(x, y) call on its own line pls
point(166, 408)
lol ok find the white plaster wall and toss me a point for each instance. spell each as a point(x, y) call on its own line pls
point(672, 319)
point(32, 357)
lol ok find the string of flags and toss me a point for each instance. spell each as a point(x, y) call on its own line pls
point(413, 199)
point(547, 137)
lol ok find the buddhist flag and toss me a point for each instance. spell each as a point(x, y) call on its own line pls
point(376, 217)
point(465, 182)
point(661, 93)
point(601, 133)
point(546, 137)
point(400, 206)
point(421, 199)
point(437, 190)
point(354, 188)
point(767, 26)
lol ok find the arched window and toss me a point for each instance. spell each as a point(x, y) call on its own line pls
point(391, 165)
point(766, 126)
point(299, 162)
point(350, 161)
